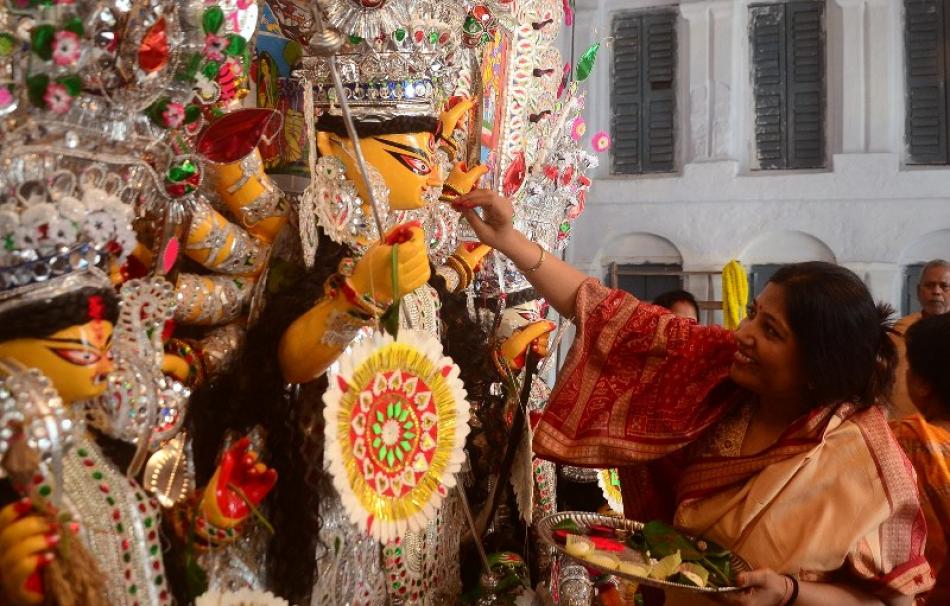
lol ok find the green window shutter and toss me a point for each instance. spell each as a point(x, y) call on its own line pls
point(925, 41)
point(788, 79)
point(768, 84)
point(626, 95)
point(806, 77)
point(659, 126)
point(643, 93)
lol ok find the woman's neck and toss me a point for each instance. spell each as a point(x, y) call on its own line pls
point(781, 409)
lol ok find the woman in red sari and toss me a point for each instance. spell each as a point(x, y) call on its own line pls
point(767, 440)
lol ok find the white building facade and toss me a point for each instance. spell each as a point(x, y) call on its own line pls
point(869, 208)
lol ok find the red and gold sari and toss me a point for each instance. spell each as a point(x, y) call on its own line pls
point(649, 392)
point(928, 448)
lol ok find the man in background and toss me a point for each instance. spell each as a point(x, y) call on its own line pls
point(680, 302)
point(933, 293)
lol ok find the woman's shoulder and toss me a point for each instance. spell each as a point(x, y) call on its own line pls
point(867, 432)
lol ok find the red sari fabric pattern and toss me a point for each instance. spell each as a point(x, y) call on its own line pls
point(638, 384)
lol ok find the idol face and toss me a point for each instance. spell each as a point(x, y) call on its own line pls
point(76, 359)
point(406, 161)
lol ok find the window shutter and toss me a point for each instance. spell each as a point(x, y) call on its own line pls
point(806, 76)
point(768, 82)
point(626, 95)
point(925, 37)
point(659, 92)
point(788, 79)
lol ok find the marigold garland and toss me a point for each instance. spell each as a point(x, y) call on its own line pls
point(735, 294)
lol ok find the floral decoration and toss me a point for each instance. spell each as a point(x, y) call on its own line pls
point(396, 419)
point(66, 48)
point(600, 141)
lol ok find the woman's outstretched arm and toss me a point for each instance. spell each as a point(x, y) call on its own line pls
point(554, 279)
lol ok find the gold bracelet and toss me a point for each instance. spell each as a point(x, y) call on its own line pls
point(538, 264)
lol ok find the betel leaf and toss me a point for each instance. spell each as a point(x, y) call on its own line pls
point(212, 19)
point(192, 113)
point(236, 45)
point(210, 70)
point(74, 25)
point(664, 540)
point(36, 88)
point(190, 68)
point(72, 83)
point(568, 525)
point(41, 41)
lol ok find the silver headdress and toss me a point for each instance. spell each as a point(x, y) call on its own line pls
point(398, 57)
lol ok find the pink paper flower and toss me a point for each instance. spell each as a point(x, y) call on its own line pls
point(578, 128)
point(214, 47)
point(174, 115)
point(57, 98)
point(66, 48)
point(6, 97)
point(600, 141)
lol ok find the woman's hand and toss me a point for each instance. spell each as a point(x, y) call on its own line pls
point(494, 227)
point(762, 587)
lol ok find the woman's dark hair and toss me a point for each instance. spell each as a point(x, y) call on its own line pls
point(846, 350)
point(928, 354)
point(373, 128)
point(42, 317)
point(671, 297)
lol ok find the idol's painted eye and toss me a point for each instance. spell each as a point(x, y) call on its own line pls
point(416, 165)
point(79, 357)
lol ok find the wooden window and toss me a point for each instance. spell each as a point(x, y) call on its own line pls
point(788, 83)
point(912, 275)
point(643, 94)
point(925, 36)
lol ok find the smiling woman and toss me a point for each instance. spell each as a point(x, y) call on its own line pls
point(767, 440)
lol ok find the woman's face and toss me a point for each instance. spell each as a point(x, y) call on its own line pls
point(768, 361)
point(76, 359)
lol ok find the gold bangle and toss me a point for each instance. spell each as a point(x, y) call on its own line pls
point(538, 264)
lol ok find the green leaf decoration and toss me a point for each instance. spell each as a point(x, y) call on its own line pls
point(73, 84)
point(7, 44)
point(586, 63)
point(664, 540)
point(189, 70)
point(212, 20)
point(74, 25)
point(236, 45)
point(154, 111)
point(211, 69)
point(192, 113)
point(41, 41)
point(36, 88)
